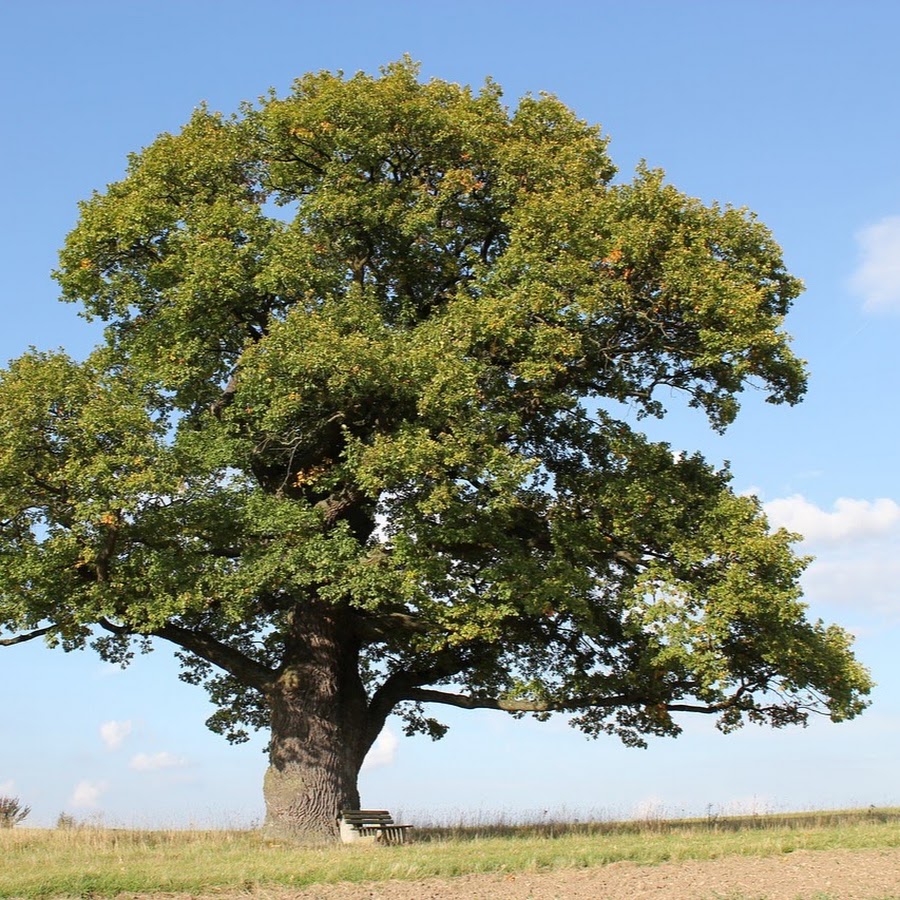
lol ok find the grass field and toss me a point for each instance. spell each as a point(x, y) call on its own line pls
point(100, 862)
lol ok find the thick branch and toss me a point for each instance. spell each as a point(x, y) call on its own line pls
point(383, 625)
point(568, 704)
point(400, 685)
point(465, 701)
point(232, 661)
point(698, 708)
point(111, 626)
point(30, 636)
point(219, 405)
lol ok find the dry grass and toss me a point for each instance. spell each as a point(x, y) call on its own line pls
point(39, 863)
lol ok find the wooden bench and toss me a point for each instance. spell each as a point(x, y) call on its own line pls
point(377, 824)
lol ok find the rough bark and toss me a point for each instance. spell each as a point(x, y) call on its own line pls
point(321, 729)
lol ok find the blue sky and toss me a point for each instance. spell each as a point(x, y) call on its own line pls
point(789, 108)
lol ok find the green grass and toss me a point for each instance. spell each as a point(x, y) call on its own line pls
point(97, 862)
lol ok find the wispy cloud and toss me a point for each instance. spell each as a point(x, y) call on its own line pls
point(87, 793)
point(383, 752)
point(114, 733)
point(877, 276)
point(151, 762)
point(7, 787)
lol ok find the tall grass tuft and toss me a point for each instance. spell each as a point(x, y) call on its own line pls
point(12, 812)
point(544, 825)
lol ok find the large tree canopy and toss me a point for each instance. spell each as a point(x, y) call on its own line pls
point(354, 442)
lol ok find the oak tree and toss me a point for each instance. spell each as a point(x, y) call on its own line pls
point(360, 439)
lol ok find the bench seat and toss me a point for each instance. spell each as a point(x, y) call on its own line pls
point(378, 824)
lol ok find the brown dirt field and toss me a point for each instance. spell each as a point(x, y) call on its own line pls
point(835, 875)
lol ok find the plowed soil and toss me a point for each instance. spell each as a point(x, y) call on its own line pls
point(836, 875)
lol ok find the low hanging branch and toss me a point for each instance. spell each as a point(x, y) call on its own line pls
point(29, 636)
point(569, 704)
point(464, 701)
point(219, 654)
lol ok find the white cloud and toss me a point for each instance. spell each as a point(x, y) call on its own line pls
point(7, 788)
point(383, 752)
point(849, 520)
point(868, 579)
point(87, 793)
point(877, 277)
point(114, 733)
point(150, 762)
point(857, 565)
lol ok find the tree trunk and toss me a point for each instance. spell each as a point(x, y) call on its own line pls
point(321, 728)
